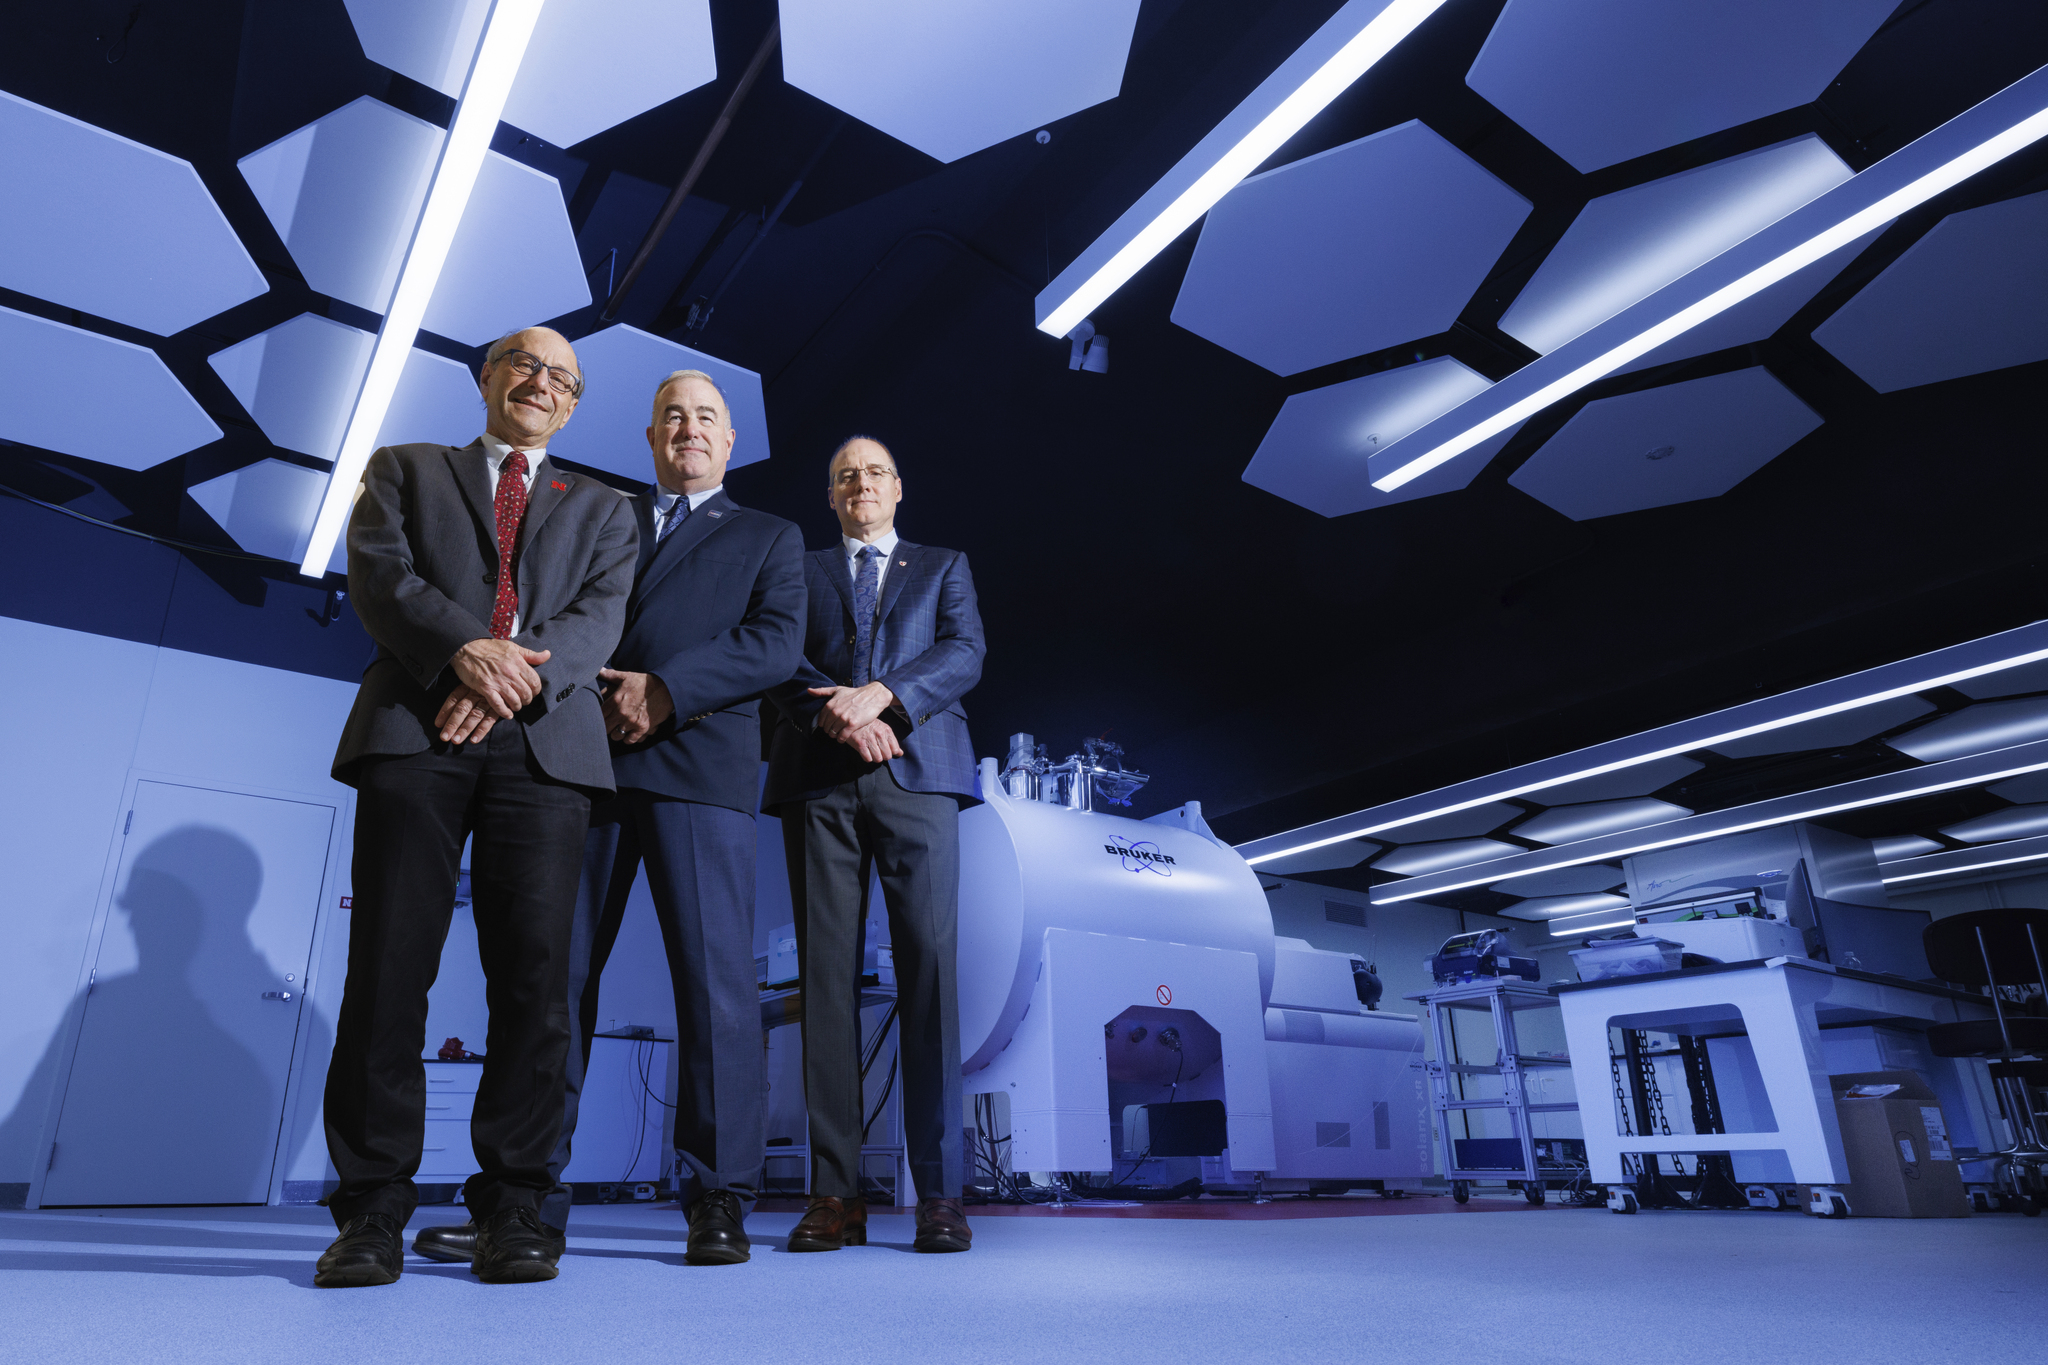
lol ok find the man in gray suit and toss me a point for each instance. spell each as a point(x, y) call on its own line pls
point(494, 583)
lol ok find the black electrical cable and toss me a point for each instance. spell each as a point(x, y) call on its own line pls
point(888, 1087)
point(644, 1065)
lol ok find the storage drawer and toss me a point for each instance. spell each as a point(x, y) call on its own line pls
point(442, 1105)
point(446, 1153)
point(453, 1077)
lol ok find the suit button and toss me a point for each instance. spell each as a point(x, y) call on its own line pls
point(563, 695)
point(490, 578)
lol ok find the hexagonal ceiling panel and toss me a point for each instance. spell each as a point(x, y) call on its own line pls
point(1365, 246)
point(1904, 846)
point(345, 191)
point(1552, 907)
point(2014, 822)
point(1640, 780)
point(1456, 825)
point(113, 228)
point(1844, 727)
point(1678, 443)
point(1601, 81)
point(950, 79)
point(1976, 730)
point(1568, 824)
point(95, 397)
point(268, 509)
point(2006, 682)
point(1314, 453)
point(2026, 789)
point(1413, 860)
point(1624, 247)
point(591, 64)
point(299, 380)
point(625, 366)
point(1970, 296)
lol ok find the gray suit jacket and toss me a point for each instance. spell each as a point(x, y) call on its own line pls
point(423, 573)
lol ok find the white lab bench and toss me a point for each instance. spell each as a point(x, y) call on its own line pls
point(1782, 1004)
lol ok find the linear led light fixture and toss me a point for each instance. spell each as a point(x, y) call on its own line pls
point(1339, 52)
point(1982, 136)
point(1578, 929)
point(507, 29)
point(1960, 860)
point(1940, 668)
point(1884, 789)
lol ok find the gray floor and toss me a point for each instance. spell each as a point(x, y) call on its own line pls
point(230, 1285)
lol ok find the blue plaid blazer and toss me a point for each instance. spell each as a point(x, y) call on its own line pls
point(928, 651)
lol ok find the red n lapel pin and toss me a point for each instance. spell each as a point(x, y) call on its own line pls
point(557, 483)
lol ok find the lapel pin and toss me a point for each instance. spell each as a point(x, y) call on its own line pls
point(902, 563)
point(556, 483)
point(717, 514)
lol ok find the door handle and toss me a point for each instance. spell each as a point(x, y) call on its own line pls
point(277, 995)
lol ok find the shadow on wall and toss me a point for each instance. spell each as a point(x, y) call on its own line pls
point(174, 1093)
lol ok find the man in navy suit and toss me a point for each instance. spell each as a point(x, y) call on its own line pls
point(716, 617)
point(868, 770)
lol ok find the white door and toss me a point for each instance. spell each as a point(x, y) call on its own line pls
point(177, 1086)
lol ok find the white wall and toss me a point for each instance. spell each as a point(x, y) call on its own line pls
point(92, 714)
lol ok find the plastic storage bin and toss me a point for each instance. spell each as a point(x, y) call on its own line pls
point(1605, 958)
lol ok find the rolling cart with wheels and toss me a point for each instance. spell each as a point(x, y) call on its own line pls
point(1523, 1160)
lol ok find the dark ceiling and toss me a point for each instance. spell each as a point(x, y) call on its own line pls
point(1276, 665)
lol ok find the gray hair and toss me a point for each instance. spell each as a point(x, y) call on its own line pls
point(674, 375)
point(840, 449)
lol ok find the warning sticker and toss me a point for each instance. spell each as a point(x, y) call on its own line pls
point(1937, 1134)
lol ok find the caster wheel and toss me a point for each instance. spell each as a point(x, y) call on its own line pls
point(1838, 1207)
point(1623, 1201)
point(2028, 1205)
point(1392, 1194)
point(1460, 1191)
point(1980, 1202)
point(1533, 1193)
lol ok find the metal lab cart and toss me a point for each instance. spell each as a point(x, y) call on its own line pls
point(1534, 1162)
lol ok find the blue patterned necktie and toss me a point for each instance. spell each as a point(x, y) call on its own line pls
point(678, 513)
point(865, 584)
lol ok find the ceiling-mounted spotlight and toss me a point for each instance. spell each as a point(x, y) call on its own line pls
point(1090, 350)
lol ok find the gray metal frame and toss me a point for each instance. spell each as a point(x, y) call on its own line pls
point(1501, 999)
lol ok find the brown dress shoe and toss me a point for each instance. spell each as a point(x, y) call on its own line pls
point(829, 1224)
point(942, 1226)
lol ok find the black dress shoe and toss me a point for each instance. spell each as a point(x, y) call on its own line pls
point(942, 1226)
point(370, 1250)
point(456, 1242)
point(717, 1236)
point(513, 1247)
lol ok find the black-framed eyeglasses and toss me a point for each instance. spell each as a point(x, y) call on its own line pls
point(849, 477)
point(529, 364)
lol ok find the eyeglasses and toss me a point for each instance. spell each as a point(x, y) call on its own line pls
point(528, 364)
point(848, 478)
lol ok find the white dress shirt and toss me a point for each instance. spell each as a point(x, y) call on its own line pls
point(885, 544)
point(665, 498)
point(495, 452)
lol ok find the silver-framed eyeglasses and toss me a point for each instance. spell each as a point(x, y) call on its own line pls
point(529, 364)
point(850, 477)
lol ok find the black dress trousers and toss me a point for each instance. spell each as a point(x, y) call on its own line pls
point(911, 842)
point(413, 813)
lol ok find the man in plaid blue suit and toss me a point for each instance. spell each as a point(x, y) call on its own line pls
point(868, 768)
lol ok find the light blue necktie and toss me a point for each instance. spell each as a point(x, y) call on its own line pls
point(678, 513)
point(865, 591)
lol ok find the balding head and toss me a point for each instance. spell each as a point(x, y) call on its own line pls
point(521, 409)
point(864, 487)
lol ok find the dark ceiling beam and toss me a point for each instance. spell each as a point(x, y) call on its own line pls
point(659, 228)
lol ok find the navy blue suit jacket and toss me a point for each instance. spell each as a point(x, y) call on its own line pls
point(928, 651)
point(717, 613)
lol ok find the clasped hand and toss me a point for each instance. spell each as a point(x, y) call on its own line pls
point(497, 679)
point(635, 704)
point(852, 715)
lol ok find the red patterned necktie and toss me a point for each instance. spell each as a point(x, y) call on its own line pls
point(511, 510)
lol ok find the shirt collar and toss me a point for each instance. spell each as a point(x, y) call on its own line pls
point(885, 543)
point(665, 498)
point(496, 450)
